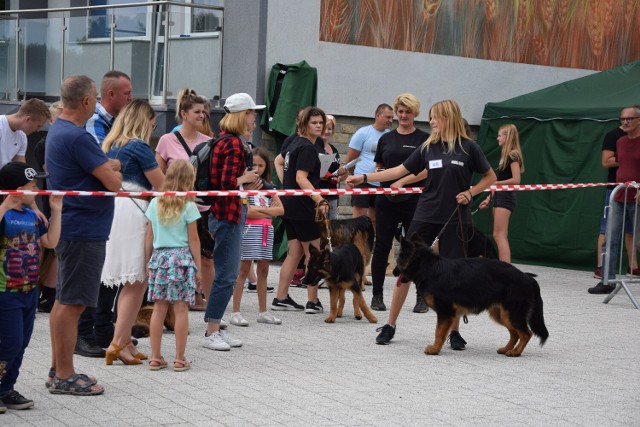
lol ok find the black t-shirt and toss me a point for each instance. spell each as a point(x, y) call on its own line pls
point(448, 175)
point(394, 148)
point(300, 154)
point(609, 143)
point(505, 173)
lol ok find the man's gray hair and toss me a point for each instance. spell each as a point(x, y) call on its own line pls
point(74, 88)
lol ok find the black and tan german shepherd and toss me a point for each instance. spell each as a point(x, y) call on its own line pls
point(342, 269)
point(455, 287)
point(358, 231)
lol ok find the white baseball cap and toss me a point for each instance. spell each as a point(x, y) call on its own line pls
point(241, 102)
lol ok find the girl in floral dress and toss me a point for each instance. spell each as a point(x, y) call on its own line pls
point(174, 265)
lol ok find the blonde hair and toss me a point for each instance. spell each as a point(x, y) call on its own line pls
point(235, 123)
point(332, 120)
point(55, 109)
point(409, 101)
point(133, 122)
point(453, 133)
point(510, 147)
point(180, 177)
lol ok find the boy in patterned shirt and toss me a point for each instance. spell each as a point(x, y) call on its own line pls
point(18, 279)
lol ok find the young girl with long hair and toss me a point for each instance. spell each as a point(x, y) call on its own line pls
point(257, 243)
point(450, 158)
point(174, 263)
point(510, 168)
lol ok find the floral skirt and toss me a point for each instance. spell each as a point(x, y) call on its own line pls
point(172, 275)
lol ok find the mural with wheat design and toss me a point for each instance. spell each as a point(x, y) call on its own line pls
point(587, 34)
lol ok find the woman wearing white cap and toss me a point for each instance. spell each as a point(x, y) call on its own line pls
point(226, 221)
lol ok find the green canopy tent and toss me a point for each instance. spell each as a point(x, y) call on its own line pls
point(561, 131)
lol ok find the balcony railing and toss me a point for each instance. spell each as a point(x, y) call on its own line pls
point(162, 45)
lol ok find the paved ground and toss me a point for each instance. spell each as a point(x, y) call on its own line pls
point(306, 372)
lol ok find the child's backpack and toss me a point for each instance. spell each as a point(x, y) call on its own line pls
point(200, 158)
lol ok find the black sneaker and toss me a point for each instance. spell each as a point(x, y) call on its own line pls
point(252, 288)
point(386, 334)
point(286, 304)
point(421, 306)
point(314, 307)
point(456, 341)
point(14, 400)
point(377, 303)
point(601, 288)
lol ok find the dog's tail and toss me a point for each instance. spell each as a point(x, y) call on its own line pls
point(536, 319)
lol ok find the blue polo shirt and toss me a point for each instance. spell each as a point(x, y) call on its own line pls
point(71, 156)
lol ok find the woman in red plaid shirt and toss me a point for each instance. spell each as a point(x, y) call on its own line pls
point(226, 221)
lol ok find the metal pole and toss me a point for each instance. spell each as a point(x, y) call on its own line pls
point(112, 42)
point(17, 61)
point(165, 62)
point(62, 47)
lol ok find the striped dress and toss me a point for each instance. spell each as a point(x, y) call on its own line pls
point(257, 238)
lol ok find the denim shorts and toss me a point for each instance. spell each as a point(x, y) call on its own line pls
point(79, 270)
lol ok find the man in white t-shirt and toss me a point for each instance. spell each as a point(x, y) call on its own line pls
point(363, 144)
point(14, 129)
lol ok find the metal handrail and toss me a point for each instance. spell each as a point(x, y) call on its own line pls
point(157, 3)
point(619, 281)
point(114, 6)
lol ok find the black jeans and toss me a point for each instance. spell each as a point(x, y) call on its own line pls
point(97, 323)
point(388, 216)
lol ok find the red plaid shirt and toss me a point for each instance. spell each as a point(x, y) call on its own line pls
point(228, 162)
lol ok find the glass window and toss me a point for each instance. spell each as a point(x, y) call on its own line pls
point(130, 21)
point(206, 20)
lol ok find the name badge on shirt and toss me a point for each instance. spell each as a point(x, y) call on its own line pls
point(435, 164)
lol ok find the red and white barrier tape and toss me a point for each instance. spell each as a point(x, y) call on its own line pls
point(322, 192)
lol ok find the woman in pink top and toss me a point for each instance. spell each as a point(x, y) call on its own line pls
point(192, 111)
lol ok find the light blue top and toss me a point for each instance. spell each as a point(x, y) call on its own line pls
point(174, 234)
point(365, 140)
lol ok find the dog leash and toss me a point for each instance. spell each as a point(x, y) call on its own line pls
point(437, 239)
point(320, 217)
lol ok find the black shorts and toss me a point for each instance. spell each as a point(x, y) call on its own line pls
point(364, 201)
point(79, 270)
point(301, 230)
point(505, 199)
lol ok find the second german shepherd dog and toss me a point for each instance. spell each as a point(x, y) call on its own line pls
point(455, 287)
point(358, 231)
point(341, 269)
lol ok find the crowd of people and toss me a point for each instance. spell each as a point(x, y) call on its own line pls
point(184, 254)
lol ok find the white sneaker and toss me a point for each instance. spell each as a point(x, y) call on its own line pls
point(216, 342)
point(268, 318)
point(238, 320)
point(223, 324)
point(231, 341)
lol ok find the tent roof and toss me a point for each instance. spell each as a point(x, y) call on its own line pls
point(599, 96)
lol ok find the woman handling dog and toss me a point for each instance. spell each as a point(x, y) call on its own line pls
point(301, 171)
point(450, 159)
point(509, 169)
